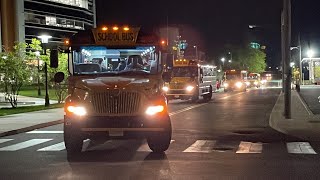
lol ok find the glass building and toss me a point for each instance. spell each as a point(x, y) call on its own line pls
point(22, 20)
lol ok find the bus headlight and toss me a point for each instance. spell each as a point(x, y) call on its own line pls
point(239, 84)
point(165, 89)
point(189, 88)
point(152, 110)
point(77, 110)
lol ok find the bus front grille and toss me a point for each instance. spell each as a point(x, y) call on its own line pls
point(116, 102)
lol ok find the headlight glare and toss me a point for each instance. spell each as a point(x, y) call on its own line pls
point(248, 83)
point(189, 88)
point(77, 110)
point(239, 84)
point(255, 83)
point(152, 110)
point(165, 89)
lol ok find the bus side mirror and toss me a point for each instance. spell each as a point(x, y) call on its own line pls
point(58, 77)
point(54, 61)
point(166, 76)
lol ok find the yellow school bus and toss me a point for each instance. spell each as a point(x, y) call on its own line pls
point(115, 88)
point(190, 80)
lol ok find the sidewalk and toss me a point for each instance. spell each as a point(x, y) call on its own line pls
point(19, 123)
point(24, 101)
point(23, 122)
point(303, 124)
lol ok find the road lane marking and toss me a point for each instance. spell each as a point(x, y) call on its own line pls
point(55, 147)
point(45, 132)
point(86, 144)
point(186, 109)
point(227, 97)
point(249, 148)
point(24, 145)
point(145, 147)
point(201, 146)
point(5, 140)
point(300, 148)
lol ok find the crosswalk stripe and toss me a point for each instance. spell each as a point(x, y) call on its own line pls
point(145, 147)
point(45, 132)
point(5, 140)
point(55, 147)
point(300, 148)
point(202, 146)
point(249, 147)
point(24, 145)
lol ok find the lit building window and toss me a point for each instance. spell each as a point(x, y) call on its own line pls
point(52, 21)
point(78, 3)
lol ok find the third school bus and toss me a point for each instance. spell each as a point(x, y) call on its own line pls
point(191, 80)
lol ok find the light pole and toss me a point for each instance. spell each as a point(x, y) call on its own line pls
point(300, 59)
point(230, 53)
point(196, 47)
point(45, 40)
point(37, 53)
point(223, 60)
point(310, 54)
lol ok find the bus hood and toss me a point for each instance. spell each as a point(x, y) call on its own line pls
point(103, 83)
point(181, 80)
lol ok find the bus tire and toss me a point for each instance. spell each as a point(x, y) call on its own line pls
point(73, 140)
point(208, 97)
point(159, 142)
point(195, 97)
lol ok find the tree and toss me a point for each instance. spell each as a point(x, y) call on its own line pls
point(253, 60)
point(16, 72)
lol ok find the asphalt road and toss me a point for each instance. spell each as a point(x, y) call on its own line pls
point(310, 94)
point(227, 138)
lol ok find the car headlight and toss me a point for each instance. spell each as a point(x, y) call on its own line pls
point(239, 84)
point(189, 88)
point(77, 110)
point(152, 110)
point(165, 89)
point(255, 83)
point(248, 83)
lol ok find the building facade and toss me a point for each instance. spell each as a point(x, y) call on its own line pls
point(22, 20)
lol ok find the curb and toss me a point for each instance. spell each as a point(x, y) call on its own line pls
point(272, 122)
point(305, 104)
point(31, 128)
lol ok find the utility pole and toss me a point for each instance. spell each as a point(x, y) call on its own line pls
point(286, 44)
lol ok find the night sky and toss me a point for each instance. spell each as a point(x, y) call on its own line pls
point(219, 22)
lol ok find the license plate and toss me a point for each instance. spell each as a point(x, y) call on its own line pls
point(176, 96)
point(116, 133)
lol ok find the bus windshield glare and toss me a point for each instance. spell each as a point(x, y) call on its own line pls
point(185, 71)
point(101, 60)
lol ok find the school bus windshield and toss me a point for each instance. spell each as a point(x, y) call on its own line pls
point(100, 60)
point(185, 71)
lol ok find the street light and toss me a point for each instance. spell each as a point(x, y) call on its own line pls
point(45, 40)
point(196, 52)
point(230, 53)
point(37, 53)
point(223, 60)
point(310, 54)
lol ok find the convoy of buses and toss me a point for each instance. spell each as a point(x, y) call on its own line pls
point(119, 85)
